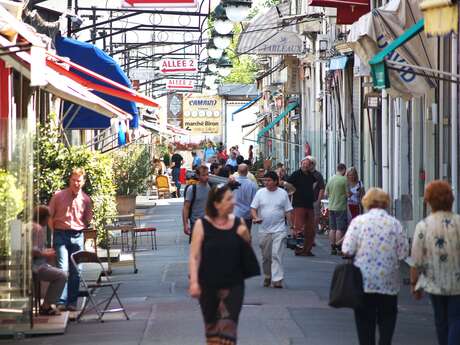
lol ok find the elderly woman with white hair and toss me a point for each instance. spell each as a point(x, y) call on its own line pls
point(378, 243)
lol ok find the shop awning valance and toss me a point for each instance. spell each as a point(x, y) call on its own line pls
point(89, 64)
point(272, 124)
point(348, 11)
point(246, 105)
point(375, 31)
point(263, 37)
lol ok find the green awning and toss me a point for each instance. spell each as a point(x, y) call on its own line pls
point(379, 71)
point(272, 124)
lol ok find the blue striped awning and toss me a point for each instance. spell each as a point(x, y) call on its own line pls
point(272, 124)
point(246, 105)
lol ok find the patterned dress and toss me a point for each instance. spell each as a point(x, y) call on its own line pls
point(436, 253)
point(378, 243)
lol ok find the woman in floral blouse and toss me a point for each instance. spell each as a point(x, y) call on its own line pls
point(377, 242)
point(436, 260)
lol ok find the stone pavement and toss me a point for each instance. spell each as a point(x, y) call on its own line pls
point(162, 313)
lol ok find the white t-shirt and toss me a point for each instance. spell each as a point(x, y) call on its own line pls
point(271, 208)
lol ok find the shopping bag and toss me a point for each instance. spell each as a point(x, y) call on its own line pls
point(346, 287)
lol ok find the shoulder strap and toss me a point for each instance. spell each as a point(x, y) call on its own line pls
point(193, 200)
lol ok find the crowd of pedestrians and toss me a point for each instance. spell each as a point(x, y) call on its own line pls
point(360, 229)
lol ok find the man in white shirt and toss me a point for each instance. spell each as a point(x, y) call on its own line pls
point(270, 207)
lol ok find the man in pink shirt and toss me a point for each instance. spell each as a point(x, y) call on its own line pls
point(71, 212)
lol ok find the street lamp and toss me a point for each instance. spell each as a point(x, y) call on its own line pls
point(225, 66)
point(237, 10)
point(221, 22)
point(213, 51)
point(221, 41)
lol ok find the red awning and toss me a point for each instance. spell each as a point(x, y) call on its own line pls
point(348, 11)
point(115, 89)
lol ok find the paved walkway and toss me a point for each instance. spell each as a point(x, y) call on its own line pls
point(162, 313)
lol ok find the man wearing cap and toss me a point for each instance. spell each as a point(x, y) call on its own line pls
point(303, 181)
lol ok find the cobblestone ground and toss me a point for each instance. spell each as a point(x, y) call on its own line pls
point(162, 313)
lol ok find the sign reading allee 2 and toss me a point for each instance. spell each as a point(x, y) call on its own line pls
point(170, 66)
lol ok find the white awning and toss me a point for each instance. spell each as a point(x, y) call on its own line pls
point(266, 36)
point(377, 29)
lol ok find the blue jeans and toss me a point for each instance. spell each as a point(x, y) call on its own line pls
point(447, 318)
point(67, 242)
point(175, 177)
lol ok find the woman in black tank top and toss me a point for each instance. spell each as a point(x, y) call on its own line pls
point(216, 276)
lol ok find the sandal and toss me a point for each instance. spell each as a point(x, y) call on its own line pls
point(50, 311)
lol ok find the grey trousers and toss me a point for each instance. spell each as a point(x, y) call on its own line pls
point(272, 247)
point(57, 279)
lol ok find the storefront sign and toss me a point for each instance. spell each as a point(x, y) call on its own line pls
point(203, 115)
point(174, 66)
point(159, 3)
point(180, 84)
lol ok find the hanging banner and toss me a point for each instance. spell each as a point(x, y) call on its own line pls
point(180, 84)
point(158, 3)
point(174, 66)
point(203, 114)
point(175, 115)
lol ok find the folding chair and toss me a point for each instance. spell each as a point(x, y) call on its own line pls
point(89, 287)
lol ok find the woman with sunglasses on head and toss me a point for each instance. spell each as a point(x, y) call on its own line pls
point(216, 276)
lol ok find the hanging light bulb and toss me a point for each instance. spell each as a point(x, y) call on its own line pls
point(237, 10)
point(221, 22)
point(224, 66)
point(213, 51)
point(212, 65)
point(221, 41)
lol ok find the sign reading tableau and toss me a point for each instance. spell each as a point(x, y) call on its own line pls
point(203, 114)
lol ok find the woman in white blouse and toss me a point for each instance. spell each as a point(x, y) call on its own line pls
point(377, 242)
point(436, 259)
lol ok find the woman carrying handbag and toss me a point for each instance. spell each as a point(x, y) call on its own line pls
point(378, 243)
point(220, 259)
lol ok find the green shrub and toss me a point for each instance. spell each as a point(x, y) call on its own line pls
point(132, 168)
point(11, 204)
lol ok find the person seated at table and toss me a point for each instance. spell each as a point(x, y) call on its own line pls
point(56, 277)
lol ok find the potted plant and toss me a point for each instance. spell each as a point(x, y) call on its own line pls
point(131, 169)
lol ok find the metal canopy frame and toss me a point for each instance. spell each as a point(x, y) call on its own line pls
point(113, 33)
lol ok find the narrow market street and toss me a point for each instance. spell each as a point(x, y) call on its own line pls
point(162, 313)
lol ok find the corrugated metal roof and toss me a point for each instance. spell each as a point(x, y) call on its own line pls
point(245, 90)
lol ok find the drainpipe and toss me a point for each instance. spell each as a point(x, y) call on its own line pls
point(385, 143)
point(454, 123)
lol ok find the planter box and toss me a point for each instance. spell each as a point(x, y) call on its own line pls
point(126, 204)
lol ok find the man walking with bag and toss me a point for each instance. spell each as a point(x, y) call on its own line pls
point(269, 208)
point(195, 199)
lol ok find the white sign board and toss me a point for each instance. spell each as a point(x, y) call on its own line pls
point(180, 84)
point(174, 66)
point(142, 74)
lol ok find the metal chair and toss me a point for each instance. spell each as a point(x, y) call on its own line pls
point(89, 288)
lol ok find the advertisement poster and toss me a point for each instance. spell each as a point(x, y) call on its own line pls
point(175, 114)
point(203, 114)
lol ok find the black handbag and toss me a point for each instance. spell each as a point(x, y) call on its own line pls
point(250, 265)
point(346, 287)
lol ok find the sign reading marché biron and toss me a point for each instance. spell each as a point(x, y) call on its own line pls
point(203, 114)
